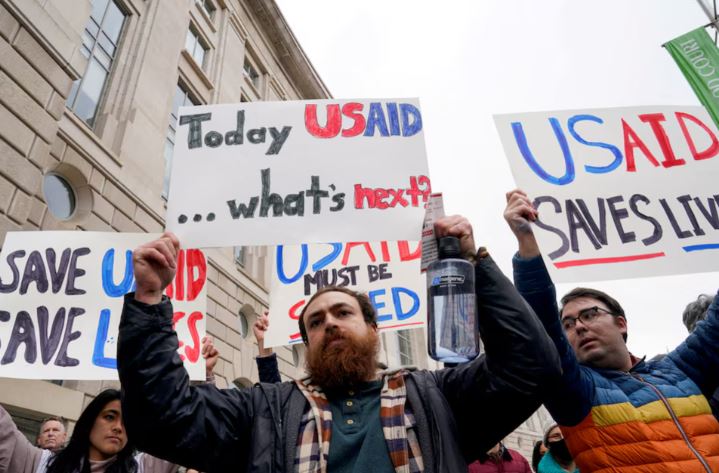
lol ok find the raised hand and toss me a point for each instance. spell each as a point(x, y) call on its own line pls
point(154, 265)
point(259, 328)
point(210, 354)
point(519, 214)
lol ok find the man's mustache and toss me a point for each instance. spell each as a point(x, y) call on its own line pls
point(331, 335)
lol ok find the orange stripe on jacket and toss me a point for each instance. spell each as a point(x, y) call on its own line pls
point(601, 441)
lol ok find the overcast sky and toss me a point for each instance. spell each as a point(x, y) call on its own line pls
point(471, 59)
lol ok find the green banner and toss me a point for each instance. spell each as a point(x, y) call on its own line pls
point(698, 58)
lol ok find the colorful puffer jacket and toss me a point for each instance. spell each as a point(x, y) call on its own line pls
point(652, 419)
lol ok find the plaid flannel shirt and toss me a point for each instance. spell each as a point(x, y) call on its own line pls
point(398, 426)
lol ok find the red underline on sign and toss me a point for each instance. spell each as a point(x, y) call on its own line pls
point(401, 325)
point(615, 259)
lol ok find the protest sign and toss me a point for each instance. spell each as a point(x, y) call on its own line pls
point(622, 192)
point(267, 173)
point(61, 296)
point(388, 272)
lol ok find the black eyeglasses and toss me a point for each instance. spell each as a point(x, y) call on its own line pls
point(587, 316)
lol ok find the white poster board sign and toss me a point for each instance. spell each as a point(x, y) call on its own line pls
point(621, 192)
point(267, 173)
point(388, 272)
point(61, 296)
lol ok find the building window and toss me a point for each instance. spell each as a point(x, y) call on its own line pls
point(241, 255)
point(59, 195)
point(405, 347)
point(207, 7)
point(251, 73)
point(182, 98)
point(244, 324)
point(99, 45)
point(195, 46)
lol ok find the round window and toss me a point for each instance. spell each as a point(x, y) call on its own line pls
point(59, 195)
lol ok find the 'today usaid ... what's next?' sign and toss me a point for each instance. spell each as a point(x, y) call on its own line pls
point(298, 172)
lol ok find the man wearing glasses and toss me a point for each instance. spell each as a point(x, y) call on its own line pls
point(618, 412)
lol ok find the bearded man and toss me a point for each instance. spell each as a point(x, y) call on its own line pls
point(346, 416)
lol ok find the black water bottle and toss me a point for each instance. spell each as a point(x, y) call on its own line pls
point(452, 333)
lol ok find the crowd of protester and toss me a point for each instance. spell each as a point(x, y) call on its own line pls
point(615, 412)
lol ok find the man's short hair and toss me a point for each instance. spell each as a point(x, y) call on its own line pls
point(62, 421)
point(696, 311)
point(611, 303)
point(368, 310)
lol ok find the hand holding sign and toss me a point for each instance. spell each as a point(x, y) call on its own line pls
point(154, 265)
point(519, 214)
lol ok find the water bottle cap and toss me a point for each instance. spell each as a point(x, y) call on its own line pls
point(449, 247)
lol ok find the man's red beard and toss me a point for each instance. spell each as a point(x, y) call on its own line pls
point(345, 364)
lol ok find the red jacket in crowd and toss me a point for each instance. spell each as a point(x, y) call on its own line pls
point(510, 461)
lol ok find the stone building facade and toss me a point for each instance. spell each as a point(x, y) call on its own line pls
point(89, 92)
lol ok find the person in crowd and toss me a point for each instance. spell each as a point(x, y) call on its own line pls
point(537, 453)
point(694, 313)
point(99, 444)
point(52, 434)
point(345, 416)
point(557, 458)
point(500, 459)
point(618, 412)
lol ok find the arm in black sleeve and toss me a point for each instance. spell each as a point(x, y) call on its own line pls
point(495, 393)
point(198, 426)
point(267, 369)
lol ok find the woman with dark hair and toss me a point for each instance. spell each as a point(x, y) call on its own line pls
point(98, 444)
point(99, 439)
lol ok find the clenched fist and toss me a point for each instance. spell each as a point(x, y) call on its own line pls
point(154, 265)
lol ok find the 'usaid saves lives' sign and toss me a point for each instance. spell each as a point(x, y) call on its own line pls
point(621, 192)
point(61, 296)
